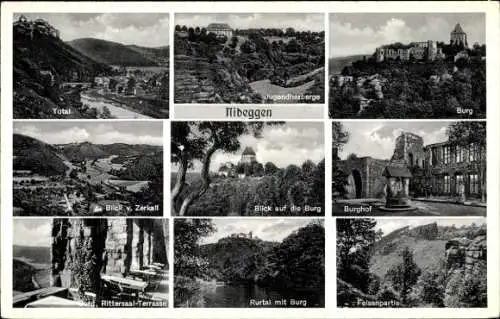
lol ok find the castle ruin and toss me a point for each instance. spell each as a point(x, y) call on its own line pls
point(420, 51)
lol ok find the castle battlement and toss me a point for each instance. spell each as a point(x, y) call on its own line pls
point(422, 50)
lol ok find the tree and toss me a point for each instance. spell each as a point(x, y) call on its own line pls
point(106, 113)
point(257, 169)
point(308, 167)
point(404, 275)
point(131, 85)
point(352, 156)
point(193, 141)
point(248, 47)
point(112, 84)
point(191, 35)
point(234, 42)
point(465, 134)
point(429, 289)
point(73, 174)
point(355, 238)
point(339, 138)
point(298, 262)
point(270, 168)
point(187, 233)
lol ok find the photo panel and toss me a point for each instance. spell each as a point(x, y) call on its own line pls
point(92, 262)
point(405, 263)
point(388, 168)
point(247, 168)
point(88, 169)
point(249, 58)
point(251, 263)
point(91, 65)
point(407, 65)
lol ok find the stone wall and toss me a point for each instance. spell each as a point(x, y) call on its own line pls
point(82, 249)
point(410, 148)
point(464, 253)
point(466, 273)
point(193, 81)
point(370, 170)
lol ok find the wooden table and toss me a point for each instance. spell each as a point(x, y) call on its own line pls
point(153, 267)
point(56, 302)
point(147, 274)
point(126, 283)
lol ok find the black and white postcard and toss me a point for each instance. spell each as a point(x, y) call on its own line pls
point(88, 169)
point(80, 263)
point(409, 168)
point(403, 263)
point(407, 65)
point(249, 58)
point(256, 263)
point(90, 65)
point(247, 168)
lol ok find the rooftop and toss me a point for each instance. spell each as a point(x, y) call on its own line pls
point(396, 171)
point(248, 151)
point(219, 26)
point(458, 29)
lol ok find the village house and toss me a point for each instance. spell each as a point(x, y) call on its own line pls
point(242, 235)
point(220, 29)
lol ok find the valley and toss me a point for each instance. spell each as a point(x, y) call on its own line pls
point(87, 77)
point(430, 264)
point(85, 179)
point(256, 65)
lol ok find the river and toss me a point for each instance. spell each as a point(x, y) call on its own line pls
point(240, 296)
point(116, 111)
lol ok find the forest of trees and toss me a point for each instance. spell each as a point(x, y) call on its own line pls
point(298, 186)
point(255, 55)
point(297, 263)
point(409, 91)
point(405, 284)
point(198, 141)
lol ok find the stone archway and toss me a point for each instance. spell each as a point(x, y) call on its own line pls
point(358, 182)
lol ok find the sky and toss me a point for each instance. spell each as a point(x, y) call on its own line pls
point(265, 229)
point(129, 132)
point(388, 225)
point(378, 138)
point(143, 29)
point(32, 232)
point(361, 33)
point(291, 143)
point(298, 21)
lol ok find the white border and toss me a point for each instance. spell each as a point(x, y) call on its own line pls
point(330, 311)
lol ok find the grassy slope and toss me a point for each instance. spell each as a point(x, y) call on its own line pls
point(39, 157)
point(428, 254)
point(335, 65)
point(114, 53)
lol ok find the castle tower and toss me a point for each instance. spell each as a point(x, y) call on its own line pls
point(248, 156)
point(431, 50)
point(379, 55)
point(410, 149)
point(458, 36)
